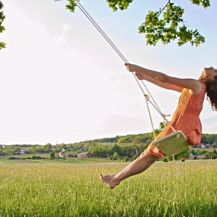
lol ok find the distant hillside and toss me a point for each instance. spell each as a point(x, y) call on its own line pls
point(126, 148)
point(144, 138)
point(134, 138)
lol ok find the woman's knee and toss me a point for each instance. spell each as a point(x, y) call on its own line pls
point(153, 151)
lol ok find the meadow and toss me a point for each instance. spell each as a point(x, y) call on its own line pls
point(58, 188)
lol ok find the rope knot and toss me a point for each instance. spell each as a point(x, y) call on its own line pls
point(147, 97)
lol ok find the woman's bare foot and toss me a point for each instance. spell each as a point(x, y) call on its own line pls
point(110, 180)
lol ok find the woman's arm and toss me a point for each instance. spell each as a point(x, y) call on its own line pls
point(163, 84)
point(164, 80)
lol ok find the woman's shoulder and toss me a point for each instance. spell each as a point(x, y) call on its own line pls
point(203, 85)
point(201, 88)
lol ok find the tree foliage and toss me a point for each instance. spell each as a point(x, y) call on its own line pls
point(2, 28)
point(163, 25)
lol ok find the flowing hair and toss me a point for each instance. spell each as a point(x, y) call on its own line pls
point(211, 89)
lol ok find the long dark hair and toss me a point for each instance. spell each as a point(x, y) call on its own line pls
point(211, 89)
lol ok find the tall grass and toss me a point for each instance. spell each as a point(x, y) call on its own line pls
point(167, 189)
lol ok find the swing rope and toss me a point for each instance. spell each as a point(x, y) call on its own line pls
point(148, 97)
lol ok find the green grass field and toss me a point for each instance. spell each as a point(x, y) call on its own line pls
point(53, 188)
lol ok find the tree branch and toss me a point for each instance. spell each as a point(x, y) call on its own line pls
point(161, 10)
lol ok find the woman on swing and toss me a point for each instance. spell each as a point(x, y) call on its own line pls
point(185, 118)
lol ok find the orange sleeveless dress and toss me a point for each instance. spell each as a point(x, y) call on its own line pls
point(186, 118)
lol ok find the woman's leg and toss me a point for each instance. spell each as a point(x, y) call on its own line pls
point(143, 162)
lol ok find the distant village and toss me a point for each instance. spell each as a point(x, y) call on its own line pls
point(199, 152)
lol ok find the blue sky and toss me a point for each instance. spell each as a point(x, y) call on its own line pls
point(61, 82)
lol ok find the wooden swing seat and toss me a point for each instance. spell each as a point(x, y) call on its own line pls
point(173, 144)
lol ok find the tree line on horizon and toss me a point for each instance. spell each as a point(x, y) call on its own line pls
point(124, 148)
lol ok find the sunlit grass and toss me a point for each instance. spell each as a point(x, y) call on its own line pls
point(66, 189)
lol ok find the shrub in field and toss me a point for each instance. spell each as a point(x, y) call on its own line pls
point(115, 156)
point(52, 155)
point(36, 157)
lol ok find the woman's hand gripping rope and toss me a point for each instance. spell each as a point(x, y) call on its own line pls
point(134, 68)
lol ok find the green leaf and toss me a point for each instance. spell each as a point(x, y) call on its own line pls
point(71, 5)
point(2, 28)
point(2, 45)
point(119, 4)
point(204, 3)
